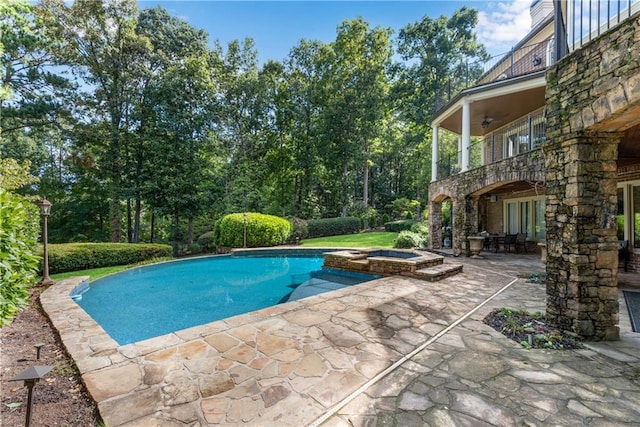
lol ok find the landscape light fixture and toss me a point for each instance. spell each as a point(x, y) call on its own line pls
point(45, 211)
point(537, 60)
point(31, 376)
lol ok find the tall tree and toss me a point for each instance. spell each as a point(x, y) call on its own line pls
point(355, 91)
point(101, 44)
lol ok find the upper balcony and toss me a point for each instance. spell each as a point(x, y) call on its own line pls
point(579, 21)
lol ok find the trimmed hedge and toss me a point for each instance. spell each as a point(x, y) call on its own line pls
point(80, 256)
point(333, 226)
point(401, 225)
point(262, 230)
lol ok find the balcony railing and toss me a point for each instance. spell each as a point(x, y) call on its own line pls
point(517, 62)
point(587, 19)
point(520, 136)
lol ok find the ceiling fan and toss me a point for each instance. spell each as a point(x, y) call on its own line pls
point(486, 122)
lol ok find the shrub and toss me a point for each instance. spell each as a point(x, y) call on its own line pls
point(333, 226)
point(195, 248)
point(18, 262)
point(80, 256)
point(261, 229)
point(401, 225)
point(300, 229)
point(407, 240)
point(373, 221)
point(206, 241)
point(216, 232)
point(385, 218)
point(420, 228)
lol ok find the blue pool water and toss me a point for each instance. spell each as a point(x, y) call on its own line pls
point(154, 300)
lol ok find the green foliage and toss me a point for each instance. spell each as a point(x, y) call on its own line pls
point(421, 228)
point(216, 231)
point(18, 262)
point(206, 241)
point(400, 225)
point(373, 220)
point(333, 226)
point(385, 218)
point(81, 256)
point(261, 230)
point(405, 208)
point(407, 240)
point(300, 229)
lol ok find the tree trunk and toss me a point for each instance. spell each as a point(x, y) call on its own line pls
point(136, 221)
point(129, 228)
point(153, 224)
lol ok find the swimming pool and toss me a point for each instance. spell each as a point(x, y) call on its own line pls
point(157, 299)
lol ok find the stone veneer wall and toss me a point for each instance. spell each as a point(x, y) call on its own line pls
point(464, 190)
point(592, 96)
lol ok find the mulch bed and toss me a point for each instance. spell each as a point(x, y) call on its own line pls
point(530, 330)
point(60, 398)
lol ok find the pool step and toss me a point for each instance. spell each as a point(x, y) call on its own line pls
point(438, 272)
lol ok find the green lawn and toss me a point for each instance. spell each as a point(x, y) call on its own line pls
point(376, 239)
point(93, 273)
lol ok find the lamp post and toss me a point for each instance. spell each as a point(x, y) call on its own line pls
point(45, 210)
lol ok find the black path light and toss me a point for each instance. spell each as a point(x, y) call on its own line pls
point(31, 376)
point(45, 210)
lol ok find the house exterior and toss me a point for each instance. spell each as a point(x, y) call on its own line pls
point(558, 157)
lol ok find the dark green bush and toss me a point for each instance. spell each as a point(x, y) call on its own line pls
point(385, 218)
point(206, 241)
point(401, 225)
point(373, 221)
point(216, 232)
point(407, 240)
point(80, 256)
point(261, 229)
point(333, 226)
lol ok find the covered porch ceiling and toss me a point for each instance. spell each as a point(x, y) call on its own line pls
point(500, 102)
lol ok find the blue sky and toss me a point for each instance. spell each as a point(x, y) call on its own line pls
point(277, 26)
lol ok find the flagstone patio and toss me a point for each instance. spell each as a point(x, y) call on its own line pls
point(394, 350)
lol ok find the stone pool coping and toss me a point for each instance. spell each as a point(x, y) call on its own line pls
point(286, 364)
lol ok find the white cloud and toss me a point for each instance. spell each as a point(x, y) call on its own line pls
point(502, 24)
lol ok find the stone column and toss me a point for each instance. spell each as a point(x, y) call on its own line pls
point(435, 220)
point(582, 246)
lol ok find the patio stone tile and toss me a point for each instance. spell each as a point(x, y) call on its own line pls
point(214, 384)
point(311, 365)
point(130, 407)
point(270, 344)
point(242, 353)
point(240, 373)
point(307, 317)
point(114, 381)
point(214, 409)
point(274, 394)
point(242, 411)
point(288, 355)
point(221, 342)
point(336, 386)
point(191, 350)
point(179, 388)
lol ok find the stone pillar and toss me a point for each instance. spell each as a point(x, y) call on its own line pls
point(434, 153)
point(465, 223)
point(435, 231)
point(466, 134)
point(582, 246)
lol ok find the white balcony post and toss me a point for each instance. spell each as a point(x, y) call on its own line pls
point(434, 153)
point(466, 134)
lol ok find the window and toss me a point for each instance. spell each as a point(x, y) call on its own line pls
point(628, 213)
point(526, 215)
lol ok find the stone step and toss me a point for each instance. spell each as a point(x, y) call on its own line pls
point(438, 272)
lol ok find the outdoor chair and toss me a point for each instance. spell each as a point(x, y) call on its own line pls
point(509, 242)
point(521, 241)
point(623, 253)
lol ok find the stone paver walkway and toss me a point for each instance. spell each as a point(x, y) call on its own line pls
point(395, 351)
